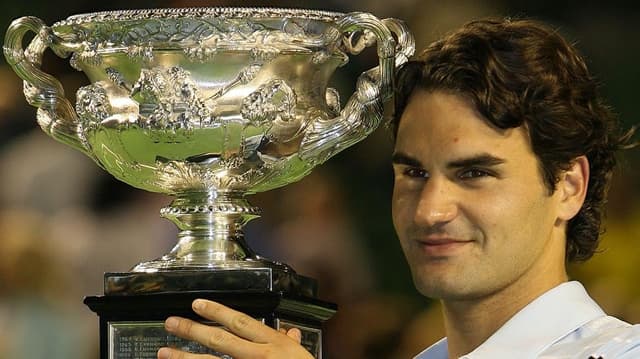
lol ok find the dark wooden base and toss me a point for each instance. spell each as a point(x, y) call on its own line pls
point(131, 325)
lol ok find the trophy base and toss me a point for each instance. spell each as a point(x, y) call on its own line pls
point(227, 280)
point(132, 314)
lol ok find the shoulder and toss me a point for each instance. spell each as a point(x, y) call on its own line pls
point(603, 338)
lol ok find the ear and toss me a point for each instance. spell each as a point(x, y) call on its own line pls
point(573, 188)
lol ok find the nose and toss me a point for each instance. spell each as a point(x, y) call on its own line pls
point(437, 204)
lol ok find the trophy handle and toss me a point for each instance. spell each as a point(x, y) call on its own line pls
point(55, 113)
point(363, 112)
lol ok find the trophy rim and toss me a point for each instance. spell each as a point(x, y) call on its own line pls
point(226, 12)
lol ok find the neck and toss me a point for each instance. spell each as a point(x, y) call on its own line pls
point(470, 322)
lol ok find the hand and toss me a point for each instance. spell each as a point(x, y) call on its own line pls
point(245, 338)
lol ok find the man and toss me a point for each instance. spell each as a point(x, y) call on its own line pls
point(503, 155)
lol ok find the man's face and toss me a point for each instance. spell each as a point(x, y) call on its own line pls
point(469, 203)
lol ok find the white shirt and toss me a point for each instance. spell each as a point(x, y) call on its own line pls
point(562, 323)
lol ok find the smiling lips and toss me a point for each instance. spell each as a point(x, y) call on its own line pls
point(441, 247)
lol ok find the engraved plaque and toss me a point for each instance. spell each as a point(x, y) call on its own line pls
point(141, 340)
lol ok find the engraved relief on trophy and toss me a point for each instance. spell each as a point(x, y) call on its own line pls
point(248, 104)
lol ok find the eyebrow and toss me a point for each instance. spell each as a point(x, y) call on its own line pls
point(479, 160)
point(400, 158)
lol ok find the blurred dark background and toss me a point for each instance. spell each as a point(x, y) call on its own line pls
point(64, 222)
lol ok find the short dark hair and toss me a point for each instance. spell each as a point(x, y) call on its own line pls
point(522, 73)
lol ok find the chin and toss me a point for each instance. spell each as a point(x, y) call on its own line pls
point(431, 287)
point(443, 288)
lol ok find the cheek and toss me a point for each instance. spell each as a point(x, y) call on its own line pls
point(496, 214)
point(397, 210)
point(513, 220)
point(402, 207)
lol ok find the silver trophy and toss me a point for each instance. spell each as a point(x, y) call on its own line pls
point(208, 105)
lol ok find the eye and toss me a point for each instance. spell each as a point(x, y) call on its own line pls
point(415, 172)
point(473, 173)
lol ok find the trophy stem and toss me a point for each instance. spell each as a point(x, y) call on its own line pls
point(210, 234)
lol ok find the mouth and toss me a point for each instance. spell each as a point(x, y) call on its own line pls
point(441, 247)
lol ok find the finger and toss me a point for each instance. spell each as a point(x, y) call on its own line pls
point(215, 338)
point(237, 322)
point(295, 334)
point(170, 353)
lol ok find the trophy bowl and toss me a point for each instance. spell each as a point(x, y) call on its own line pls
point(209, 105)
